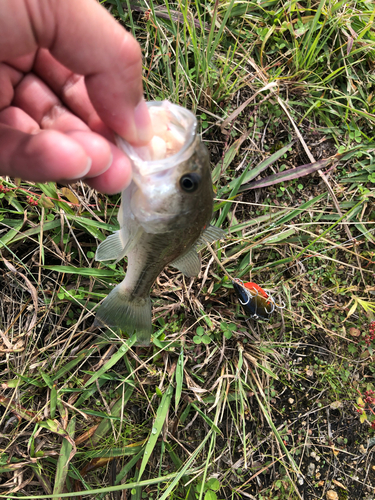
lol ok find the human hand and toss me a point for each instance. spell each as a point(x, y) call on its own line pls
point(70, 75)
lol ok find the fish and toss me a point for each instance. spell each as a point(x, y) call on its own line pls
point(254, 300)
point(164, 217)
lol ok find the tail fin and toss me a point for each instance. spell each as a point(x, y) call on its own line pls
point(130, 315)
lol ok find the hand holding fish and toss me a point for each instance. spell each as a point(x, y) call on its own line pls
point(69, 76)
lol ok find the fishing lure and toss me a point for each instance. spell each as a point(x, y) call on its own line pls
point(255, 301)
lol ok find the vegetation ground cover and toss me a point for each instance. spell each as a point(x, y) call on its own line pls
point(219, 406)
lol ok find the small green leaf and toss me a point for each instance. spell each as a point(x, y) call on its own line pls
point(200, 330)
point(197, 340)
point(352, 349)
point(206, 339)
point(210, 495)
point(213, 484)
point(363, 417)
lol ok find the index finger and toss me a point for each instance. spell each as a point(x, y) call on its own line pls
point(85, 38)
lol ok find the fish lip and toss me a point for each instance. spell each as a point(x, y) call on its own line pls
point(144, 167)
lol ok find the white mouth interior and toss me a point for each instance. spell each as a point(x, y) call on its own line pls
point(169, 136)
point(173, 140)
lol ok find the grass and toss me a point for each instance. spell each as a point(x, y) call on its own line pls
point(219, 407)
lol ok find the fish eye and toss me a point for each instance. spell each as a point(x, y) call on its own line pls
point(190, 182)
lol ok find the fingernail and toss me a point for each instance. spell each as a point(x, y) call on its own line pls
point(85, 171)
point(101, 171)
point(109, 163)
point(144, 131)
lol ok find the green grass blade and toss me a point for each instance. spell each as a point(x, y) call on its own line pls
point(136, 493)
point(287, 175)
point(189, 495)
point(87, 393)
point(87, 271)
point(267, 415)
point(47, 379)
point(66, 454)
point(328, 230)
point(85, 221)
point(210, 435)
point(265, 164)
point(105, 424)
point(130, 449)
point(313, 26)
point(233, 193)
point(127, 468)
point(79, 359)
point(179, 378)
point(114, 359)
point(279, 237)
point(300, 210)
point(47, 226)
point(11, 234)
point(207, 419)
point(98, 491)
point(366, 233)
point(184, 470)
point(212, 44)
point(53, 401)
point(224, 164)
point(157, 427)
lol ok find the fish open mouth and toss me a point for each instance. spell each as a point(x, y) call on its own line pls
point(173, 141)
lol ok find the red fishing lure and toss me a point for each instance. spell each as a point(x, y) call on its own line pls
point(254, 300)
point(255, 288)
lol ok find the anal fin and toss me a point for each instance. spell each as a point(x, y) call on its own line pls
point(209, 235)
point(189, 263)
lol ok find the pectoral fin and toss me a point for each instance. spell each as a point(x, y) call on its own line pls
point(189, 263)
point(113, 248)
point(110, 248)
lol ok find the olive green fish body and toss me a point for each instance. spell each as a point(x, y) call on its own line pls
point(164, 215)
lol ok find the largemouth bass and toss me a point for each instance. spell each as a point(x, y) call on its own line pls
point(164, 216)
